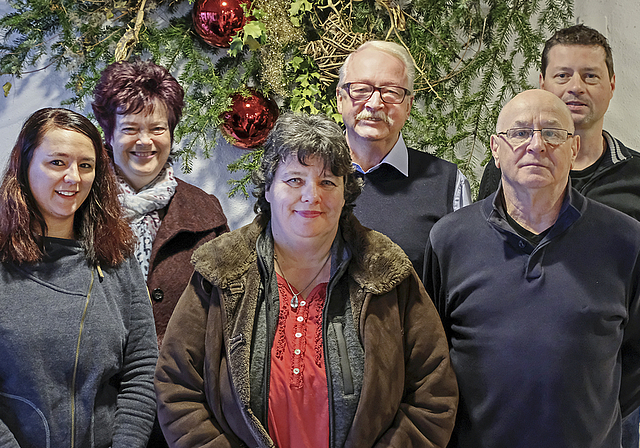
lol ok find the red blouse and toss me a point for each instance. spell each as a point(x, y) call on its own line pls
point(298, 394)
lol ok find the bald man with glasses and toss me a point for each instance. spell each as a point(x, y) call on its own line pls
point(538, 289)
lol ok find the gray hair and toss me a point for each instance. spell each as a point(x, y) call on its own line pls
point(391, 48)
point(305, 136)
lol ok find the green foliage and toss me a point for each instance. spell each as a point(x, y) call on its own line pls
point(248, 163)
point(472, 56)
point(253, 34)
point(499, 45)
point(298, 8)
point(308, 95)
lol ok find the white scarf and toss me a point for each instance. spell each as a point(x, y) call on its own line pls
point(141, 210)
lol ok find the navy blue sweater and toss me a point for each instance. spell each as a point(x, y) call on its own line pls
point(405, 208)
point(545, 340)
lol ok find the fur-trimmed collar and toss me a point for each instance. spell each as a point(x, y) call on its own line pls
point(378, 264)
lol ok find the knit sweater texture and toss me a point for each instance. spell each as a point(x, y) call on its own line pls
point(404, 208)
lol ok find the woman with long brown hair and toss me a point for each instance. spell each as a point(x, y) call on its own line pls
point(77, 340)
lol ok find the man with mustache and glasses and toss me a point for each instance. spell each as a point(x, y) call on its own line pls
point(406, 191)
point(538, 289)
point(577, 67)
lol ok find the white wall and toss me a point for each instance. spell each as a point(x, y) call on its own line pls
point(617, 20)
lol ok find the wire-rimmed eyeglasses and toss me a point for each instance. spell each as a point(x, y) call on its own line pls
point(361, 91)
point(519, 136)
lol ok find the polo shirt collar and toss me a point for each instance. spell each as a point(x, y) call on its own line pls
point(573, 206)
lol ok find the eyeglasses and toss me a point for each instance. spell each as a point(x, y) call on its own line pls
point(360, 91)
point(519, 136)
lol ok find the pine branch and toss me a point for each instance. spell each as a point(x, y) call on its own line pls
point(472, 56)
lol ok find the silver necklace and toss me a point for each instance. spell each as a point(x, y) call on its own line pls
point(294, 299)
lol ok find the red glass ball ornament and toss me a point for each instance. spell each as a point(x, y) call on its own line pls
point(217, 21)
point(250, 119)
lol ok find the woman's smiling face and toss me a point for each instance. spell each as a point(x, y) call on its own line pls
point(61, 174)
point(306, 200)
point(141, 145)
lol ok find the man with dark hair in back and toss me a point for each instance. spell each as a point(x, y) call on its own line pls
point(577, 66)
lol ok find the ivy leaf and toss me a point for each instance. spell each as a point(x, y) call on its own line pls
point(252, 43)
point(296, 62)
point(296, 103)
point(299, 6)
point(236, 46)
point(256, 30)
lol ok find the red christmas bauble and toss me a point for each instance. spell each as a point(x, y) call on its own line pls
point(250, 119)
point(217, 21)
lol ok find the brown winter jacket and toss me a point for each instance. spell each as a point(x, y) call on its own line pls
point(406, 395)
point(192, 218)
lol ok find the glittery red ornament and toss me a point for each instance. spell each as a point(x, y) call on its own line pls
point(217, 21)
point(250, 119)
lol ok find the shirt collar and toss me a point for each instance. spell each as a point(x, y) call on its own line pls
point(573, 206)
point(398, 158)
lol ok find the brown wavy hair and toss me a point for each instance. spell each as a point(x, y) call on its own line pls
point(105, 236)
point(304, 137)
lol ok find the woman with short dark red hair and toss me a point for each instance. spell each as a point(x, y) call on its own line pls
point(139, 104)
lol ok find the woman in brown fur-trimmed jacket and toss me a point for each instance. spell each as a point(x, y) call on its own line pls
point(304, 328)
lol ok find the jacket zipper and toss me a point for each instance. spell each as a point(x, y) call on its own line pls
point(267, 357)
point(75, 364)
point(347, 379)
point(585, 188)
point(325, 318)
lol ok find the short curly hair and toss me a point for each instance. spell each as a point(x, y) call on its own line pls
point(305, 136)
point(133, 87)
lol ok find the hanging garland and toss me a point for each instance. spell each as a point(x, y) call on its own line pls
point(471, 56)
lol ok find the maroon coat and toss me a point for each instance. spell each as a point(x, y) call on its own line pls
point(192, 218)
